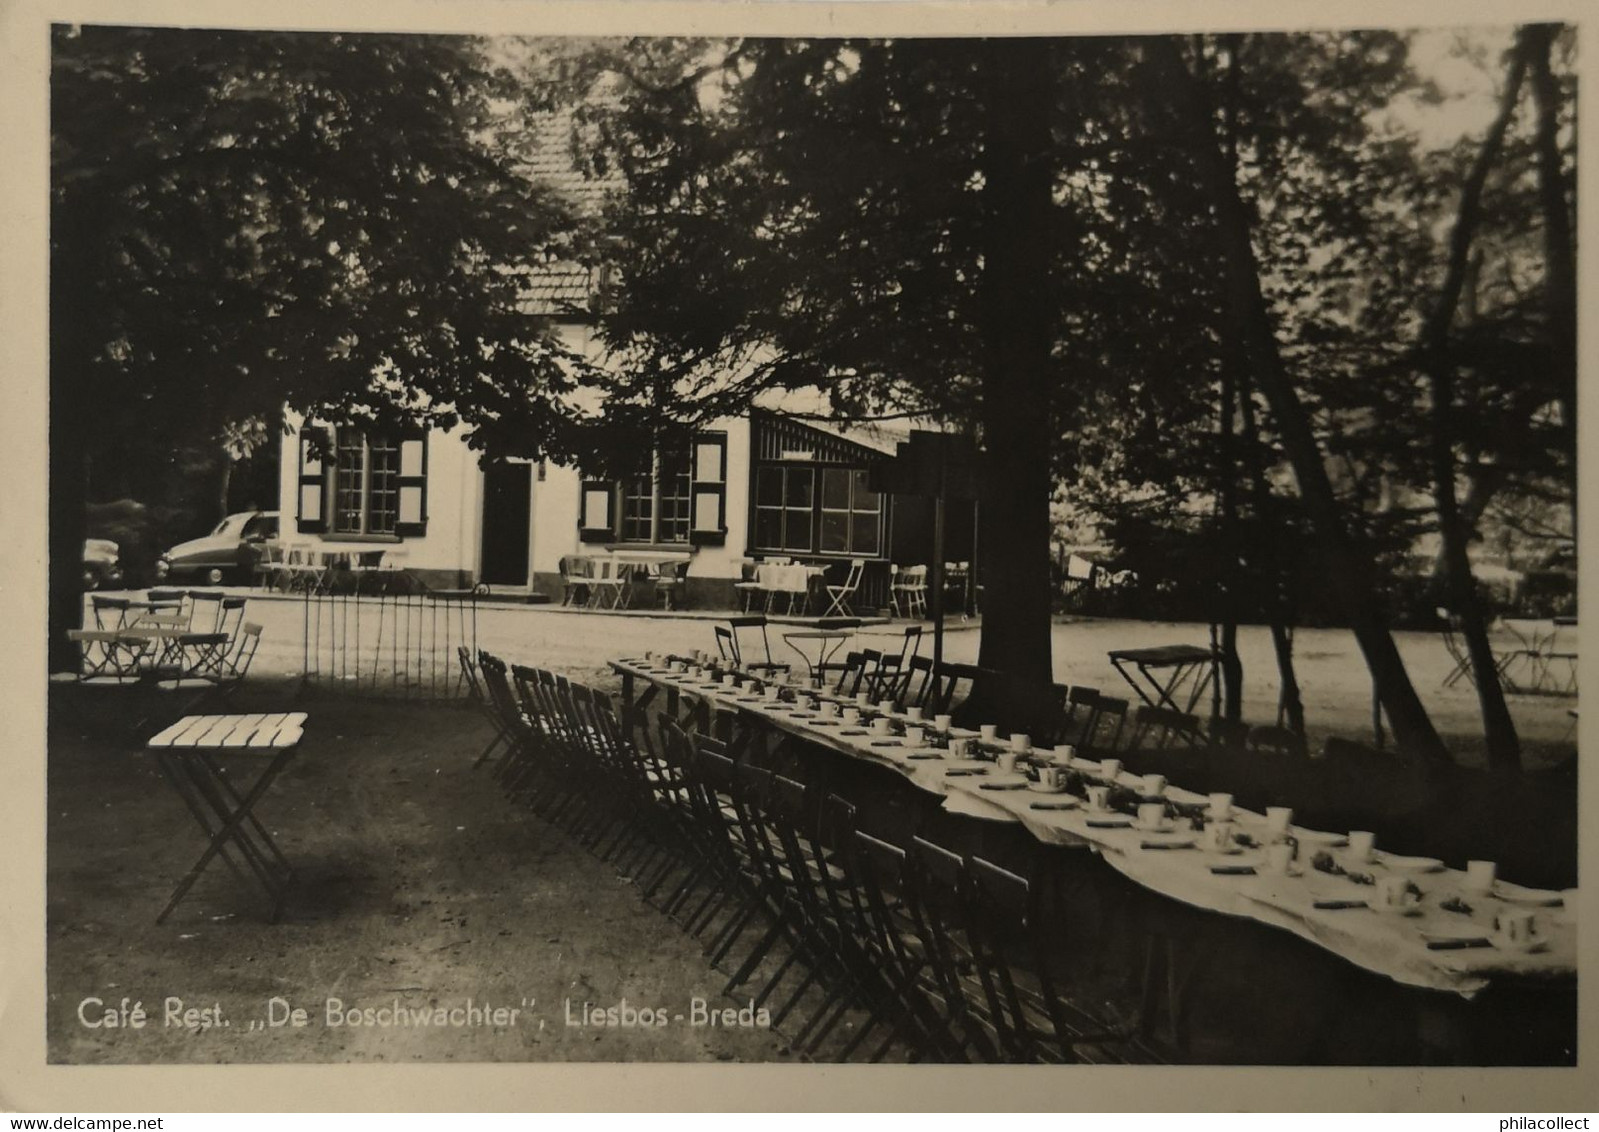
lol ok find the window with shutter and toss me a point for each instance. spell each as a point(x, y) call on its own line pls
point(311, 508)
point(594, 520)
point(708, 524)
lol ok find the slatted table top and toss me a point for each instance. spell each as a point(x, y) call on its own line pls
point(1159, 656)
point(265, 732)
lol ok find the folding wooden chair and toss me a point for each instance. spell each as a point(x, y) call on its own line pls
point(1156, 729)
point(1276, 740)
point(840, 595)
point(1021, 975)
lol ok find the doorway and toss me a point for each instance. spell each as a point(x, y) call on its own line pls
point(507, 494)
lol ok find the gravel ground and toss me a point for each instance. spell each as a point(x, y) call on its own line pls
point(1333, 679)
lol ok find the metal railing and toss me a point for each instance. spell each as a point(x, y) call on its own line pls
point(400, 645)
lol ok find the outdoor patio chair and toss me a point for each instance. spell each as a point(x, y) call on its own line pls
point(907, 592)
point(1075, 711)
point(936, 895)
point(110, 612)
point(1276, 741)
point(840, 595)
point(785, 580)
point(1457, 650)
point(1022, 975)
point(1102, 729)
point(610, 584)
point(576, 571)
point(1156, 729)
point(670, 582)
point(107, 657)
point(748, 586)
point(881, 872)
point(1230, 733)
point(729, 647)
point(269, 571)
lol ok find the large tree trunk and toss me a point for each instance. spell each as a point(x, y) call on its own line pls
point(1348, 570)
point(1504, 749)
point(1560, 246)
point(1290, 706)
point(1232, 669)
point(1017, 327)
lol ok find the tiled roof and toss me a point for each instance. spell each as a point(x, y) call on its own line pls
point(562, 287)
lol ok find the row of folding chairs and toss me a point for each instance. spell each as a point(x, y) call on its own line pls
point(857, 947)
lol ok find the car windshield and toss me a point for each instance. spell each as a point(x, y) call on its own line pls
point(232, 525)
point(263, 526)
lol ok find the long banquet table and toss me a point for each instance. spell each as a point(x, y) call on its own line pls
point(1424, 949)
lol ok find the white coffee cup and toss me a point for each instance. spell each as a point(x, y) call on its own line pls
point(1109, 769)
point(1050, 778)
point(988, 732)
point(1021, 744)
point(1065, 754)
point(880, 725)
point(960, 748)
point(885, 706)
point(942, 722)
point(1479, 876)
point(1221, 807)
point(730, 680)
point(1154, 785)
point(852, 716)
point(914, 712)
point(1362, 843)
point(769, 692)
point(1515, 928)
point(913, 736)
point(1280, 857)
point(1099, 798)
point(863, 698)
point(1219, 836)
point(1394, 893)
point(1278, 819)
point(1151, 815)
point(1007, 761)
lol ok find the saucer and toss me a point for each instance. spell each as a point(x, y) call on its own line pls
point(1167, 826)
point(1409, 864)
point(1533, 897)
point(1467, 933)
point(1531, 947)
point(1411, 909)
point(1040, 788)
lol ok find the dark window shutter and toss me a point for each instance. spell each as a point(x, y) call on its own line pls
point(413, 484)
point(595, 515)
point(311, 506)
point(708, 525)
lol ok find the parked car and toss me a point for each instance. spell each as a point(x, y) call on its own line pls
point(228, 553)
point(102, 566)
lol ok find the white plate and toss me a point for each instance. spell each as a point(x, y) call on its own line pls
point(1410, 864)
point(1455, 934)
point(1536, 897)
point(1040, 788)
point(1163, 827)
point(1411, 909)
point(1320, 839)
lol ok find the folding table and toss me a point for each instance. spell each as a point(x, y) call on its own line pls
point(189, 753)
point(828, 642)
point(1160, 673)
